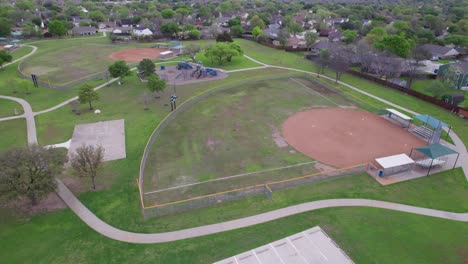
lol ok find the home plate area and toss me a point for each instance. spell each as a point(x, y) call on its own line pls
point(310, 246)
point(108, 134)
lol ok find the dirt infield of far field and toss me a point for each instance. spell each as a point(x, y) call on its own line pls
point(137, 54)
point(345, 137)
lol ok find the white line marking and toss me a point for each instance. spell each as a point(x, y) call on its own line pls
point(297, 251)
point(230, 177)
point(255, 254)
point(315, 245)
point(326, 98)
point(277, 254)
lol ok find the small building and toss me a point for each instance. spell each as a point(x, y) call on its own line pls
point(321, 45)
point(335, 35)
point(122, 31)
point(440, 52)
point(142, 31)
point(460, 78)
point(84, 31)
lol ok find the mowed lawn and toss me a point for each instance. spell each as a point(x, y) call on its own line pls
point(233, 131)
point(20, 52)
point(12, 134)
point(7, 108)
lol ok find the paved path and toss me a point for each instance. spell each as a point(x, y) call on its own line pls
point(105, 229)
point(25, 56)
point(111, 232)
point(28, 114)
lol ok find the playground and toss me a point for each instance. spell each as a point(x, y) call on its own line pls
point(137, 54)
point(185, 73)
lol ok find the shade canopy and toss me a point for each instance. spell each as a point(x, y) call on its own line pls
point(431, 121)
point(394, 161)
point(435, 151)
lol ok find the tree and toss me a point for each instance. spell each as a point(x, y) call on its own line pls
point(225, 37)
point(234, 22)
point(192, 51)
point(146, 67)
point(237, 30)
point(256, 31)
point(58, 28)
point(30, 172)
point(87, 95)
point(295, 28)
point(183, 11)
point(167, 13)
point(415, 57)
point(87, 161)
point(4, 57)
point(339, 59)
point(310, 38)
point(155, 84)
point(349, 36)
point(97, 16)
point(194, 33)
point(223, 52)
point(119, 69)
point(375, 35)
point(395, 44)
point(323, 61)
point(434, 23)
point(283, 37)
point(256, 21)
point(170, 28)
point(439, 89)
point(5, 27)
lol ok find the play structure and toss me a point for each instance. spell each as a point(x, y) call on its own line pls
point(199, 72)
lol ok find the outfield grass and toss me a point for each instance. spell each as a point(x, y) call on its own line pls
point(7, 108)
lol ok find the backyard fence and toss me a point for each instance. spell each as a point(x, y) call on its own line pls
point(424, 97)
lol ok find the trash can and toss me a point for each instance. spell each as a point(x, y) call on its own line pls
point(163, 67)
point(380, 173)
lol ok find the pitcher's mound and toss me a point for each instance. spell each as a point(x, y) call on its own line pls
point(137, 55)
point(345, 137)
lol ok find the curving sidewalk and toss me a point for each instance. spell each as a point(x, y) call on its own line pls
point(25, 56)
point(111, 232)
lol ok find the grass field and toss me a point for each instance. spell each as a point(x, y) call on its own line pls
point(18, 53)
point(7, 108)
point(13, 134)
point(234, 131)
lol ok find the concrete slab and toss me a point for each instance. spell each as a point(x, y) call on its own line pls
point(310, 246)
point(109, 134)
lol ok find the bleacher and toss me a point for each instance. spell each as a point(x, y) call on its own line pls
point(423, 131)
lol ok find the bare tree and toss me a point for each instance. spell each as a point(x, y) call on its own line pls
point(416, 56)
point(364, 55)
point(30, 172)
point(323, 61)
point(87, 161)
point(192, 51)
point(340, 59)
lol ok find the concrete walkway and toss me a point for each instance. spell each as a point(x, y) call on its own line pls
point(105, 229)
point(111, 232)
point(28, 114)
point(25, 56)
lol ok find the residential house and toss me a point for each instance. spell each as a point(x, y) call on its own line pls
point(223, 21)
point(366, 22)
point(440, 52)
point(459, 76)
point(125, 22)
point(84, 31)
point(297, 43)
point(321, 45)
point(122, 31)
point(142, 31)
point(335, 35)
point(272, 31)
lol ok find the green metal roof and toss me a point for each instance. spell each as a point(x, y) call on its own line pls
point(435, 151)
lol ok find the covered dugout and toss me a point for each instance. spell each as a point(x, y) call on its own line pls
point(394, 164)
point(435, 155)
point(431, 128)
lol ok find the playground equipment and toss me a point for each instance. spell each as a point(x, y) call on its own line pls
point(199, 72)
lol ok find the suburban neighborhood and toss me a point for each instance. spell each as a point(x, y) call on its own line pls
point(234, 131)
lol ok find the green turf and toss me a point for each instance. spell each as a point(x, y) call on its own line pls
point(7, 108)
point(422, 85)
point(13, 134)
